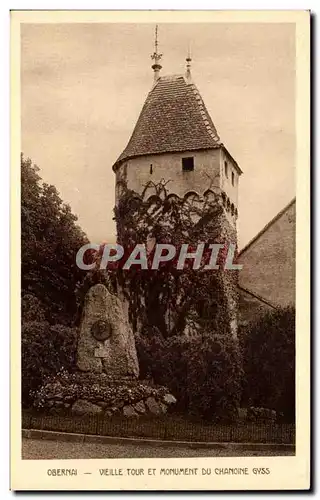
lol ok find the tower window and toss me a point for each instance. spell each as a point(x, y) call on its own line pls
point(188, 164)
point(151, 169)
point(226, 169)
point(232, 178)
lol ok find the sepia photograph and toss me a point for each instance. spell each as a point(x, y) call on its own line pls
point(158, 283)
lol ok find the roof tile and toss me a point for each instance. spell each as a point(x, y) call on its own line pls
point(173, 118)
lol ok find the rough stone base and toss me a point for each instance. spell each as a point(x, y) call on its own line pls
point(91, 393)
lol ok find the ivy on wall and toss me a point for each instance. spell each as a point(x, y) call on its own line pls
point(169, 298)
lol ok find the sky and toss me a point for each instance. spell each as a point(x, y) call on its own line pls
point(83, 87)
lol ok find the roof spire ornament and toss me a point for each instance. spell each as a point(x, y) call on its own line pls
point(188, 59)
point(156, 57)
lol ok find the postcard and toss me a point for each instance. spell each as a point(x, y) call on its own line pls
point(160, 248)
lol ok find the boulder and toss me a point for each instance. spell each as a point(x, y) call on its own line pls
point(163, 407)
point(103, 404)
point(120, 404)
point(83, 407)
point(129, 411)
point(153, 406)
point(106, 341)
point(169, 399)
point(140, 407)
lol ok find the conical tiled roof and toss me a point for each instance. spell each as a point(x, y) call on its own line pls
point(173, 118)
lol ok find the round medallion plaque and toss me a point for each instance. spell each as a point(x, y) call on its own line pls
point(101, 330)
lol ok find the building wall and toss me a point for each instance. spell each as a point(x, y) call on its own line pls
point(269, 261)
point(208, 173)
point(226, 185)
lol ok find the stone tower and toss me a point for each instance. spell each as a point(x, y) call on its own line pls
point(175, 141)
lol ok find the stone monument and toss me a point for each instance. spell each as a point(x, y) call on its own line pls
point(106, 379)
point(106, 342)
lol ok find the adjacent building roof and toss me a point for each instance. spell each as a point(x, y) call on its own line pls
point(173, 118)
point(266, 227)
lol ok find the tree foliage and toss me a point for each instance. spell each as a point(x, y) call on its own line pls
point(45, 350)
point(50, 239)
point(269, 362)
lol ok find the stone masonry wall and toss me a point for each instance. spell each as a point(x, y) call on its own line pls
point(208, 173)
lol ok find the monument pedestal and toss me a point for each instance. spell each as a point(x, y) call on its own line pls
point(90, 393)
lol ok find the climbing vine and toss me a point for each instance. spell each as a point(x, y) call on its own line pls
point(169, 298)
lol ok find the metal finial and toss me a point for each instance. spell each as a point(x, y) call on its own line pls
point(188, 59)
point(156, 57)
point(156, 40)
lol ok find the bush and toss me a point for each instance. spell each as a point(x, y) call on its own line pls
point(269, 363)
point(45, 350)
point(203, 373)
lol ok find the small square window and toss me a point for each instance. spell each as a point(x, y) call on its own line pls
point(226, 169)
point(232, 178)
point(188, 164)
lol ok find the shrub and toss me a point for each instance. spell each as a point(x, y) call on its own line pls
point(269, 362)
point(203, 373)
point(45, 350)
